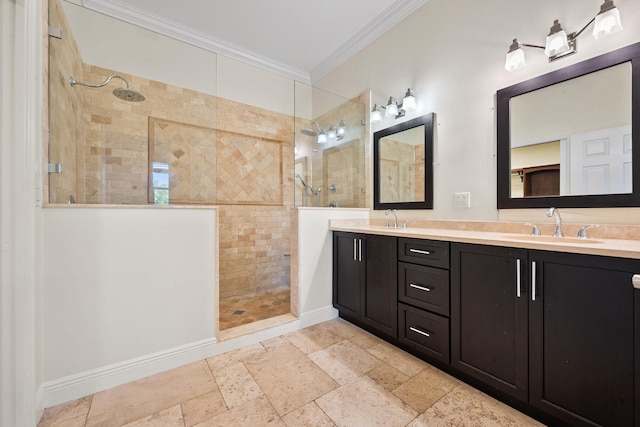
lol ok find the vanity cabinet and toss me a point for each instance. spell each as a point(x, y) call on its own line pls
point(584, 367)
point(555, 330)
point(423, 297)
point(489, 316)
point(365, 282)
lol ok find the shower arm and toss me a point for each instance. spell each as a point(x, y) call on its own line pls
point(73, 82)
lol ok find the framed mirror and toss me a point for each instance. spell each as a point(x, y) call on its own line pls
point(565, 138)
point(403, 165)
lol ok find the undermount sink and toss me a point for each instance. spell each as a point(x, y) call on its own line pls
point(550, 239)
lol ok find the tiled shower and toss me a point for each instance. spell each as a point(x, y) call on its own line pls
point(186, 147)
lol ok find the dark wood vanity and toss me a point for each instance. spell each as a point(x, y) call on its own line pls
point(554, 334)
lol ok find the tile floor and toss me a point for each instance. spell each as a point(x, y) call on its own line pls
point(244, 309)
point(330, 374)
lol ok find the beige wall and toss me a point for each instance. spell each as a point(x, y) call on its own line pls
point(451, 53)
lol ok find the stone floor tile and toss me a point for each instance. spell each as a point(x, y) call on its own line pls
point(66, 412)
point(309, 415)
point(257, 412)
point(129, 402)
point(402, 361)
point(345, 361)
point(288, 378)
point(203, 407)
point(171, 417)
point(466, 406)
point(425, 389)
point(365, 403)
point(231, 357)
point(275, 343)
point(387, 376)
point(236, 385)
point(314, 338)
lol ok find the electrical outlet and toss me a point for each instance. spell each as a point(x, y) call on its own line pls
point(462, 200)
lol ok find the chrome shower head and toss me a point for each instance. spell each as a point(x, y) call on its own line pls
point(309, 130)
point(126, 94)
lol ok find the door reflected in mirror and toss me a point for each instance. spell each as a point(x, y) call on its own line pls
point(573, 138)
point(402, 166)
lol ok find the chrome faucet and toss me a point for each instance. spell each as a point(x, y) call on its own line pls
point(395, 218)
point(553, 212)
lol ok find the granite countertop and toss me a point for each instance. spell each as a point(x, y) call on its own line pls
point(499, 234)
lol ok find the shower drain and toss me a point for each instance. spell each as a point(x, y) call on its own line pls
point(238, 312)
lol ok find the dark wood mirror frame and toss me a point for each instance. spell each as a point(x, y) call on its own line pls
point(630, 54)
point(428, 121)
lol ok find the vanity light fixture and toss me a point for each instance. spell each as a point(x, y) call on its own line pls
point(392, 109)
point(323, 136)
point(560, 44)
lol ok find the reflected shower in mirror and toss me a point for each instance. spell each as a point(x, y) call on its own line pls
point(403, 170)
point(565, 138)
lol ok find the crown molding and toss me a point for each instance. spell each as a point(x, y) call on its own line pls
point(395, 13)
point(120, 10)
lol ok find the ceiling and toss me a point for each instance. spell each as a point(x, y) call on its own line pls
point(300, 39)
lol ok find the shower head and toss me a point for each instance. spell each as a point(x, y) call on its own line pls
point(126, 94)
point(309, 130)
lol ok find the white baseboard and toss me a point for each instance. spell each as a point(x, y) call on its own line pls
point(86, 383)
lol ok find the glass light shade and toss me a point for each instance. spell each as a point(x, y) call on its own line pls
point(342, 128)
point(331, 133)
point(376, 114)
point(322, 138)
point(515, 60)
point(391, 110)
point(607, 23)
point(409, 101)
point(557, 41)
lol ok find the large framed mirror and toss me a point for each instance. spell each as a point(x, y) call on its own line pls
point(565, 138)
point(403, 165)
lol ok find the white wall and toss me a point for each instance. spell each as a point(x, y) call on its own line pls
point(451, 53)
point(121, 284)
point(20, 157)
point(315, 255)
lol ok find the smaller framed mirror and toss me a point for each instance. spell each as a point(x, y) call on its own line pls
point(403, 165)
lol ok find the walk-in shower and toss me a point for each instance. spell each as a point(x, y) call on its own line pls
point(126, 94)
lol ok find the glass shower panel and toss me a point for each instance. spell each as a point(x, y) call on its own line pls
point(114, 151)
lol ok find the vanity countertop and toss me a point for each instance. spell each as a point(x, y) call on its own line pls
point(465, 233)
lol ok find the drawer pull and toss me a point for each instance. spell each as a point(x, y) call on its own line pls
point(419, 251)
point(422, 288)
point(418, 331)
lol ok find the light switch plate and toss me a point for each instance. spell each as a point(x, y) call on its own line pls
point(462, 200)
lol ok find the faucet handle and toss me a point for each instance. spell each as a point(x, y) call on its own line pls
point(582, 234)
point(535, 231)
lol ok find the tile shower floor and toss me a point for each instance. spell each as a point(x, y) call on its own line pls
point(248, 308)
point(330, 374)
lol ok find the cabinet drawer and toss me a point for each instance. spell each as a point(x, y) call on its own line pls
point(424, 287)
point(424, 252)
point(425, 332)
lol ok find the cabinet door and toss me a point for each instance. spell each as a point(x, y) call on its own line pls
point(582, 363)
point(489, 316)
point(380, 293)
point(348, 272)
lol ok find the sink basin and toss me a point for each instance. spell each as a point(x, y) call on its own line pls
point(550, 239)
